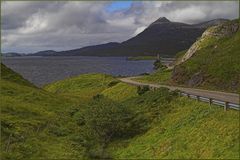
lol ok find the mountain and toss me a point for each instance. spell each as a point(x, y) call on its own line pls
point(97, 50)
point(161, 37)
point(164, 37)
point(212, 61)
point(44, 53)
point(12, 54)
point(211, 23)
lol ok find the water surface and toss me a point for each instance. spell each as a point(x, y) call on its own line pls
point(44, 70)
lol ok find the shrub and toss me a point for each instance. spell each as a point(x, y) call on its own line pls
point(112, 83)
point(97, 96)
point(142, 89)
point(106, 120)
point(158, 65)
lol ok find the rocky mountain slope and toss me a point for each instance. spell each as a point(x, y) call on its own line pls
point(213, 60)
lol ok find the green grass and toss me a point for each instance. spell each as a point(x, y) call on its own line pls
point(179, 56)
point(37, 123)
point(8, 74)
point(82, 87)
point(217, 60)
point(180, 128)
point(159, 77)
point(120, 92)
point(189, 130)
point(139, 58)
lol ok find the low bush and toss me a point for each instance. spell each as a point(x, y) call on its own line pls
point(142, 89)
point(106, 120)
point(112, 83)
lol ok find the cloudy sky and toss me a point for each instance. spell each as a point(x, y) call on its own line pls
point(33, 26)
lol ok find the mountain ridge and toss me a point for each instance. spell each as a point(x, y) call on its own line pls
point(162, 37)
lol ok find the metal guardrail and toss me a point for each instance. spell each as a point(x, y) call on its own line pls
point(226, 105)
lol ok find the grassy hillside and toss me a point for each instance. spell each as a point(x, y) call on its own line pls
point(120, 92)
point(108, 119)
point(216, 64)
point(9, 75)
point(159, 76)
point(35, 123)
point(179, 128)
point(188, 130)
point(82, 87)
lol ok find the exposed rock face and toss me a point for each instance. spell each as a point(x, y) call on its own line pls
point(196, 80)
point(179, 75)
point(213, 60)
point(191, 51)
point(219, 31)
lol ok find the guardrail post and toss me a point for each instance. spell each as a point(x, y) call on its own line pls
point(198, 98)
point(179, 93)
point(226, 106)
point(210, 101)
point(188, 95)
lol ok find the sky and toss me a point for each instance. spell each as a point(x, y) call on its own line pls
point(28, 27)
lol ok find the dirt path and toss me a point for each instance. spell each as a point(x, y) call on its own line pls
point(222, 96)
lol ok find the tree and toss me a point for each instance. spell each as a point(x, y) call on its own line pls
point(106, 120)
point(159, 65)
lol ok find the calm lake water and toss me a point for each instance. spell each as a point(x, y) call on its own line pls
point(44, 70)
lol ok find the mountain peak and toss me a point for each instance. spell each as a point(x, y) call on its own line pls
point(162, 19)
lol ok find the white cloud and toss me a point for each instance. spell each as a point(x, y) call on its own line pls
point(139, 30)
point(36, 23)
point(33, 26)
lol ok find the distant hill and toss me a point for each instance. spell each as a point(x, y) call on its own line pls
point(212, 61)
point(161, 37)
point(97, 50)
point(211, 23)
point(44, 53)
point(11, 54)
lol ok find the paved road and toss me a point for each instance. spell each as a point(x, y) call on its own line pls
point(222, 96)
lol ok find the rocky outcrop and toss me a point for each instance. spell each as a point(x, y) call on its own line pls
point(223, 30)
point(213, 60)
point(196, 80)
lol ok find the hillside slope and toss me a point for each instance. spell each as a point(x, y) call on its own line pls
point(34, 123)
point(9, 75)
point(50, 123)
point(187, 130)
point(213, 61)
point(177, 127)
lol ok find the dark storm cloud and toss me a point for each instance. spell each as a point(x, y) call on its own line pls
point(32, 26)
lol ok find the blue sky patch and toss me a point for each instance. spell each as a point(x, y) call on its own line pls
point(119, 5)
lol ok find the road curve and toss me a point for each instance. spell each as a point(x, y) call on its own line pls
point(222, 96)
